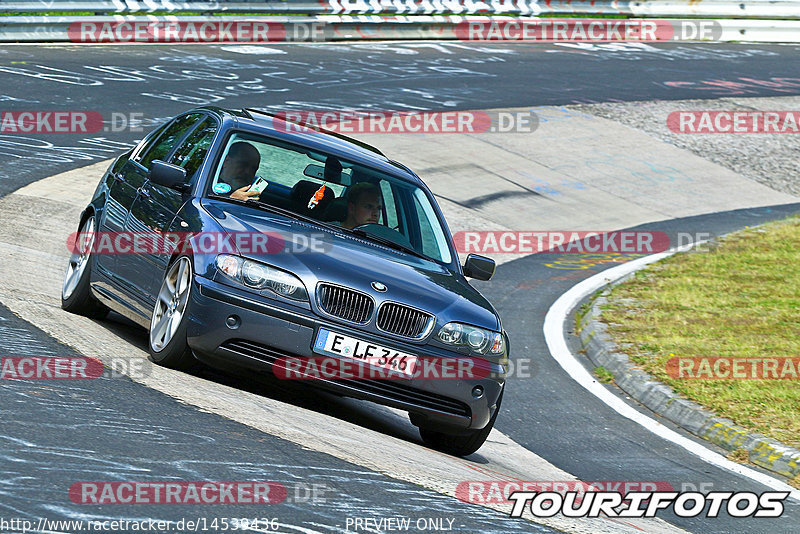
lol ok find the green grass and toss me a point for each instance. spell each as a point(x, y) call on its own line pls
point(739, 299)
point(603, 375)
point(586, 307)
point(739, 455)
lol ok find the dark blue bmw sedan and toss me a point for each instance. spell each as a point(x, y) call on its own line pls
point(242, 239)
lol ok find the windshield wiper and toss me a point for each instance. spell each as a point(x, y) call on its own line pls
point(276, 209)
point(387, 242)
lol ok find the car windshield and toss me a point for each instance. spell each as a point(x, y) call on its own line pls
point(330, 190)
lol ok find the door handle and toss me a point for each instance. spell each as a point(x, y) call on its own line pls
point(120, 177)
point(144, 191)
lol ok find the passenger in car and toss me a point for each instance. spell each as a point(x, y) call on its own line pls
point(364, 205)
point(239, 170)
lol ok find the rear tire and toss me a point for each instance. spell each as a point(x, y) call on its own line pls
point(463, 443)
point(76, 296)
point(167, 338)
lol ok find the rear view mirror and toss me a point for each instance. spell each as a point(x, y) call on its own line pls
point(318, 172)
point(167, 174)
point(479, 267)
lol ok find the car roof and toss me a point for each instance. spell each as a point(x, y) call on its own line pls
point(347, 148)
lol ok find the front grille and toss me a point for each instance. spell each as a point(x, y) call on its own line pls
point(389, 389)
point(345, 303)
point(403, 320)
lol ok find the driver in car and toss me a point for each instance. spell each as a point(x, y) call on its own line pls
point(239, 170)
point(364, 205)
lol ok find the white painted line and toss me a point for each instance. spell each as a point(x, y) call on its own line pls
point(252, 49)
point(557, 343)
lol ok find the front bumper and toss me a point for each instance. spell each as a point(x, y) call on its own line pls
point(268, 329)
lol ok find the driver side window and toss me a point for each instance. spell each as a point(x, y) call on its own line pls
point(162, 146)
point(192, 152)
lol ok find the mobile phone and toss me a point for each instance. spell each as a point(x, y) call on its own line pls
point(259, 185)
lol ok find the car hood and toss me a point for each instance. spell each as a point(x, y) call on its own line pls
point(356, 263)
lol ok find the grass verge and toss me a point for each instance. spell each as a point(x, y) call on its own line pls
point(603, 375)
point(741, 299)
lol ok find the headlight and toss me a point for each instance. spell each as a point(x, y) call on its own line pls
point(260, 276)
point(479, 340)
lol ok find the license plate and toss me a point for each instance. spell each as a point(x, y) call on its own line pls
point(334, 344)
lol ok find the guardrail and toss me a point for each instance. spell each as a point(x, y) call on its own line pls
point(122, 28)
point(764, 9)
point(333, 20)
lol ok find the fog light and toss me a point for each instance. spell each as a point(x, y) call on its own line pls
point(233, 322)
point(477, 392)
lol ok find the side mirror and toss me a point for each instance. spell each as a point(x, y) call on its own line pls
point(479, 267)
point(167, 174)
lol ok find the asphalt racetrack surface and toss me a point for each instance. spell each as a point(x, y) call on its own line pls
point(158, 81)
point(116, 429)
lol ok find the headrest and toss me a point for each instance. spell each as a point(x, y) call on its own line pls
point(337, 210)
point(303, 191)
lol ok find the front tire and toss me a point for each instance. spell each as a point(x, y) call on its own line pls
point(167, 340)
point(76, 296)
point(461, 444)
